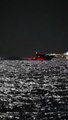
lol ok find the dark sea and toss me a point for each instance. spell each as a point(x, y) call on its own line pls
point(34, 90)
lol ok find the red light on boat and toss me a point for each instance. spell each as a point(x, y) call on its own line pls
point(38, 58)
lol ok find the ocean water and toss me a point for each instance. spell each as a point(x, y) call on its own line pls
point(34, 90)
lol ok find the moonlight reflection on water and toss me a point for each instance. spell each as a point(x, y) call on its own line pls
point(33, 90)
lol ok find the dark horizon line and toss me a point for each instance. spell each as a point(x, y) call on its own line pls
point(15, 57)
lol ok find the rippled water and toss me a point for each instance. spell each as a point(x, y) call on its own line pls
point(34, 90)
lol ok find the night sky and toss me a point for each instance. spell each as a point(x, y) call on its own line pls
point(26, 27)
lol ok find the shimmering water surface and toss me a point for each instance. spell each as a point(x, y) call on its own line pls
point(34, 90)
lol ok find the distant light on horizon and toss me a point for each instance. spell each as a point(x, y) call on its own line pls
point(66, 53)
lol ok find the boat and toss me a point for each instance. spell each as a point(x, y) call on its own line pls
point(41, 57)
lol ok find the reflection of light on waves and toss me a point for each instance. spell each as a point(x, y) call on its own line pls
point(33, 74)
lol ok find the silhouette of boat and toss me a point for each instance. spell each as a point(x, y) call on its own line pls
point(41, 57)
